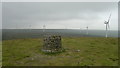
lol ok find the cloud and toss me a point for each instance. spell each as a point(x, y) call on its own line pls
point(59, 14)
point(0, 15)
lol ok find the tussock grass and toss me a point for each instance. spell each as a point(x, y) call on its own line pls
point(94, 51)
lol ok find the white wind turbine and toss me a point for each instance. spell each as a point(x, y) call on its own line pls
point(107, 26)
point(87, 30)
point(80, 29)
point(30, 27)
point(44, 28)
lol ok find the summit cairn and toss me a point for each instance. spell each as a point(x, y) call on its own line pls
point(52, 44)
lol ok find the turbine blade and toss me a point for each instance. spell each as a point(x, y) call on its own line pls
point(109, 18)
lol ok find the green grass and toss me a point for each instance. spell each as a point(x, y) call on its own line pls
point(94, 51)
point(0, 53)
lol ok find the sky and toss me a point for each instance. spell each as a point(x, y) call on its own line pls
point(0, 16)
point(59, 15)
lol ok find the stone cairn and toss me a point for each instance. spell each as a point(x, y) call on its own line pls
point(52, 44)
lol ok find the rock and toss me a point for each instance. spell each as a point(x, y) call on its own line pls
point(77, 50)
point(32, 59)
point(52, 43)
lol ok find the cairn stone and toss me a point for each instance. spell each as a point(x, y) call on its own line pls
point(52, 44)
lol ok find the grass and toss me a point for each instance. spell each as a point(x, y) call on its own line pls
point(94, 51)
point(0, 53)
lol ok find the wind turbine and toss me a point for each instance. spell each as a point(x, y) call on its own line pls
point(87, 30)
point(44, 28)
point(80, 29)
point(107, 26)
point(30, 27)
point(16, 26)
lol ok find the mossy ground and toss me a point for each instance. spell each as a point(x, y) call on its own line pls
point(94, 51)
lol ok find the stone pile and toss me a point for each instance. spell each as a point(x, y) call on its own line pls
point(52, 43)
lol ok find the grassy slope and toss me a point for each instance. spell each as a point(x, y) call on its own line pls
point(0, 53)
point(93, 51)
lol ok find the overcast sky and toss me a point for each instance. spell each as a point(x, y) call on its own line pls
point(59, 15)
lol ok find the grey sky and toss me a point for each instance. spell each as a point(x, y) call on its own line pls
point(60, 0)
point(0, 15)
point(59, 15)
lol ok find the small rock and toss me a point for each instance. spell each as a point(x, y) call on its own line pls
point(77, 50)
point(32, 59)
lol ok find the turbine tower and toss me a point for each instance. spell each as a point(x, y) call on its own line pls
point(16, 26)
point(107, 26)
point(87, 30)
point(80, 29)
point(44, 28)
point(30, 27)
